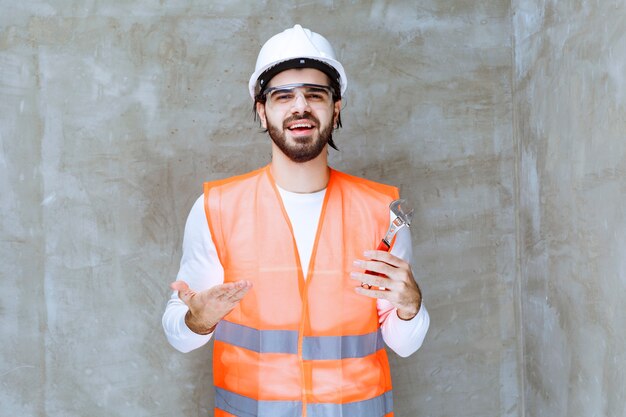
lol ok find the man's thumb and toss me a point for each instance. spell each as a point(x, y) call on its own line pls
point(184, 292)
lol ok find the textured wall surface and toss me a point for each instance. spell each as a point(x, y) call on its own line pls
point(570, 111)
point(113, 113)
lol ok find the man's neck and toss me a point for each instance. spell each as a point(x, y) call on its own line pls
point(300, 177)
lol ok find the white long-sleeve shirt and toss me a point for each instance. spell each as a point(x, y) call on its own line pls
point(201, 269)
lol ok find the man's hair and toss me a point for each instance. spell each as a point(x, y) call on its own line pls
point(334, 84)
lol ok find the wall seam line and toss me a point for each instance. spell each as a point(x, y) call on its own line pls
point(519, 311)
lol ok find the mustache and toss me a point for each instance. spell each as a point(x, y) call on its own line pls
point(304, 116)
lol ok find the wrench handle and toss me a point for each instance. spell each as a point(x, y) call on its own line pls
point(381, 246)
point(384, 247)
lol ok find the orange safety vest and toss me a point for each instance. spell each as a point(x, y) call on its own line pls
point(296, 347)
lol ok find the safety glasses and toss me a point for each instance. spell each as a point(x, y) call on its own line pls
point(287, 95)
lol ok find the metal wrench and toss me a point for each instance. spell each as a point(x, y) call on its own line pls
point(404, 215)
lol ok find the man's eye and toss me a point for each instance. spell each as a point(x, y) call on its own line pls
point(316, 96)
point(283, 96)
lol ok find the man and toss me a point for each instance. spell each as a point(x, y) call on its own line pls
point(274, 261)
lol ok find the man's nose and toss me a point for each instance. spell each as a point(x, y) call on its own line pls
point(300, 104)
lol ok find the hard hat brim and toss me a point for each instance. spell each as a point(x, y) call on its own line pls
point(336, 65)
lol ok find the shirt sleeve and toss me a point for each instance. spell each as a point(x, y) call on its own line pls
point(201, 269)
point(404, 337)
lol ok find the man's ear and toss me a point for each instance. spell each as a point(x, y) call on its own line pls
point(337, 109)
point(260, 110)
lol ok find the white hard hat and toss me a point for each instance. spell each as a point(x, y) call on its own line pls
point(302, 48)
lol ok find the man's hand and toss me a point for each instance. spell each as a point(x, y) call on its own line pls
point(208, 307)
point(396, 278)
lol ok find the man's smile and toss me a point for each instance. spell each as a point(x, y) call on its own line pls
point(300, 126)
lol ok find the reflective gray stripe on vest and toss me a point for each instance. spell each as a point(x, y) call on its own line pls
point(341, 347)
point(241, 406)
point(262, 341)
point(374, 407)
point(286, 341)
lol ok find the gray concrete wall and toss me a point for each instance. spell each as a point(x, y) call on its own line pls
point(113, 113)
point(570, 119)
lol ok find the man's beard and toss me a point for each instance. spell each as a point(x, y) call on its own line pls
point(305, 148)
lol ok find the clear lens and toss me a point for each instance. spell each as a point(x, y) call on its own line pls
point(313, 94)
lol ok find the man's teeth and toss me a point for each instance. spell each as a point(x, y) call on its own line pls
point(300, 125)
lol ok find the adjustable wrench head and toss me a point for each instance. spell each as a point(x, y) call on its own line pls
point(401, 210)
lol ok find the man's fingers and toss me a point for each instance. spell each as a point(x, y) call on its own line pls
point(227, 294)
point(386, 257)
point(231, 291)
point(372, 280)
point(240, 291)
point(225, 291)
point(372, 293)
point(375, 266)
point(397, 285)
